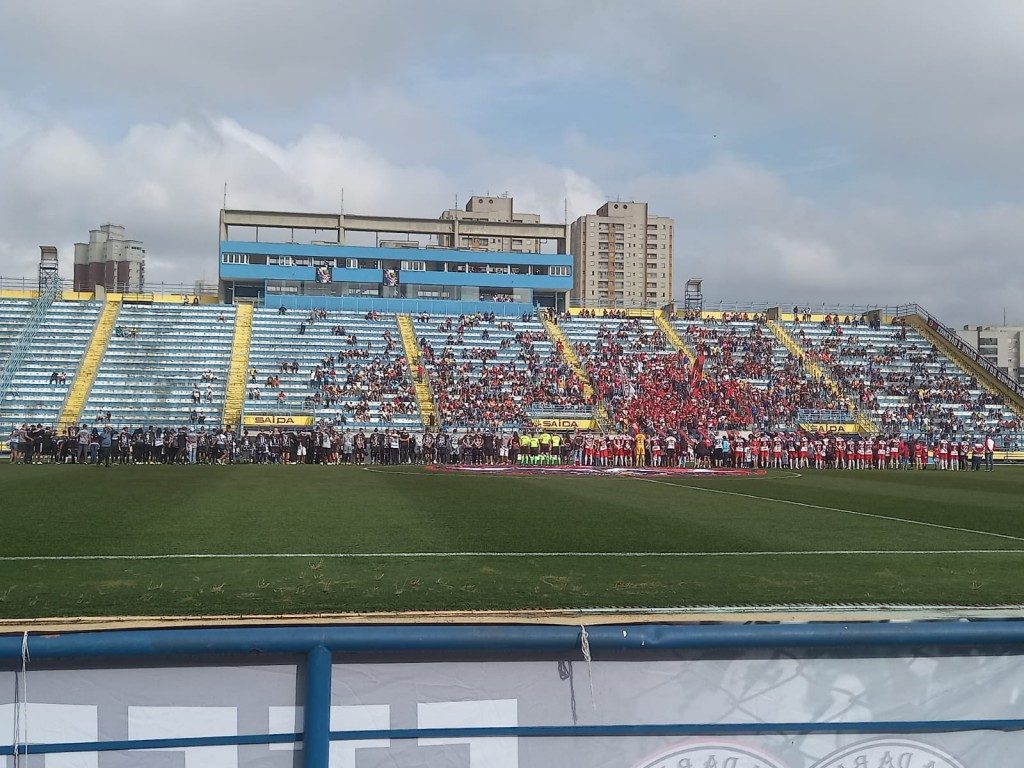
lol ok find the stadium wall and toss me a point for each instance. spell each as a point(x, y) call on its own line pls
point(939, 694)
point(433, 307)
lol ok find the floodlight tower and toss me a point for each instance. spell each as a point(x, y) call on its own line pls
point(693, 297)
point(48, 273)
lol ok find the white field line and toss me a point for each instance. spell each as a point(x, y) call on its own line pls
point(427, 555)
point(511, 474)
point(834, 509)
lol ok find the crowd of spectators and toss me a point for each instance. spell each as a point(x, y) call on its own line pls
point(773, 387)
point(490, 373)
point(735, 381)
point(493, 386)
point(903, 379)
point(359, 381)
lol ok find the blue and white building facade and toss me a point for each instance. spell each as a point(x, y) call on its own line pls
point(393, 276)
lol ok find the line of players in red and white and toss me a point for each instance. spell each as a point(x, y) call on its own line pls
point(797, 450)
point(800, 451)
point(821, 451)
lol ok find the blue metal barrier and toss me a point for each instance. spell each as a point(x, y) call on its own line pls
point(605, 641)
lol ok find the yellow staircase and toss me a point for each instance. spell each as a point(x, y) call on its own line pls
point(1012, 399)
point(424, 395)
point(555, 334)
point(673, 336)
point(866, 424)
point(234, 393)
point(82, 385)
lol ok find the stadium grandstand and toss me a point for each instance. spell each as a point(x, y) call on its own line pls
point(170, 366)
point(520, 484)
point(290, 356)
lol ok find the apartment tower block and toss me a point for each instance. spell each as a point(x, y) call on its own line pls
point(622, 257)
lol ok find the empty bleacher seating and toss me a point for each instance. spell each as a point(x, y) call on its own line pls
point(151, 378)
point(56, 348)
point(14, 313)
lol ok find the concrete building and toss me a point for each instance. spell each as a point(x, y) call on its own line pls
point(303, 258)
point(999, 344)
point(110, 261)
point(622, 257)
point(488, 208)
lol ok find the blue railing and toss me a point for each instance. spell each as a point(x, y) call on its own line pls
point(433, 307)
point(963, 347)
point(51, 291)
point(568, 412)
point(318, 644)
point(823, 417)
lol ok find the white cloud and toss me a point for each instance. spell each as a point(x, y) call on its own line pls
point(165, 184)
point(754, 238)
point(863, 152)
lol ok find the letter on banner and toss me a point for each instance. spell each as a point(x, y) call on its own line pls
point(485, 752)
point(53, 724)
point(185, 722)
point(355, 717)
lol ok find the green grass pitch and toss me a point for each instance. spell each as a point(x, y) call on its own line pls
point(924, 538)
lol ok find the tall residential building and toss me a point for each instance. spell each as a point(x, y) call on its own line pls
point(110, 261)
point(999, 344)
point(622, 257)
point(488, 208)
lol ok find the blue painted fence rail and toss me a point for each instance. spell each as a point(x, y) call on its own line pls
point(318, 644)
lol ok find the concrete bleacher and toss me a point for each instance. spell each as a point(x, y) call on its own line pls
point(741, 347)
point(612, 374)
point(586, 330)
point(14, 313)
point(366, 394)
point(57, 346)
point(860, 357)
point(770, 355)
point(518, 377)
point(150, 379)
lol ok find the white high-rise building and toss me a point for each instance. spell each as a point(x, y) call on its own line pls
point(999, 344)
point(622, 257)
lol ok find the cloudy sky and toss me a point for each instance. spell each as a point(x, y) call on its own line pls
point(810, 151)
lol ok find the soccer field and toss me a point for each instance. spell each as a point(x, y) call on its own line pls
point(155, 540)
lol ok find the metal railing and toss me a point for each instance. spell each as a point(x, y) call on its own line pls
point(67, 284)
point(814, 308)
point(318, 652)
point(608, 304)
point(50, 292)
point(577, 412)
point(823, 416)
point(962, 346)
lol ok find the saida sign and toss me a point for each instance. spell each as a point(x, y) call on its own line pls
point(831, 429)
point(277, 421)
point(562, 424)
